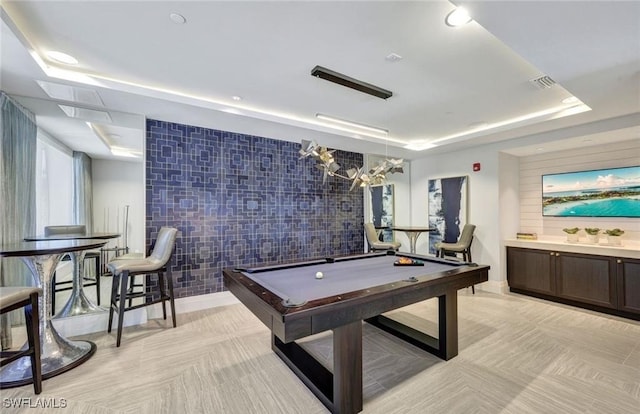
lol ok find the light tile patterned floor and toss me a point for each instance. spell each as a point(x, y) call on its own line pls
point(517, 355)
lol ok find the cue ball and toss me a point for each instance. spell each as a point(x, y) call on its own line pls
point(319, 275)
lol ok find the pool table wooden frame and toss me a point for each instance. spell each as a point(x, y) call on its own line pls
point(341, 391)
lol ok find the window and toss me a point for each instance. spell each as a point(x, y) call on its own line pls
point(54, 183)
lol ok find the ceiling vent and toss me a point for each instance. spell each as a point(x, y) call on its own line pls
point(543, 82)
point(352, 83)
point(71, 93)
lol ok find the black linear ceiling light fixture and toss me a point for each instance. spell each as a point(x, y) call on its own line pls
point(339, 78)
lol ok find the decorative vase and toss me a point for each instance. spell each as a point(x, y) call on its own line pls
point(592, 238)
point(615, 240)
point(572, 238)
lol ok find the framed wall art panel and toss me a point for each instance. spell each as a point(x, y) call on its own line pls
point(448, 209)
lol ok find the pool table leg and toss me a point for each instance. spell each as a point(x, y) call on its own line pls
point(347, 368)
point(340, 391)
point(448, 325)
point(445, 346)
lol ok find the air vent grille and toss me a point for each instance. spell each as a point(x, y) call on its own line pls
point(543, 82)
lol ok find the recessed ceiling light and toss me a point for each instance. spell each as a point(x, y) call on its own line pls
point(61, 57)
point(570, 100)
point(457, 17)
point(236, 98)
point(177, 18)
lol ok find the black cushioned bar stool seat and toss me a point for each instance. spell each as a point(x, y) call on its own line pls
point(12, 298)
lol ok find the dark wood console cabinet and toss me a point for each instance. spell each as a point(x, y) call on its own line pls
point(603, 283)
point(628, 285)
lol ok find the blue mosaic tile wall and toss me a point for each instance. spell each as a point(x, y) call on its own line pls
point(242, 200)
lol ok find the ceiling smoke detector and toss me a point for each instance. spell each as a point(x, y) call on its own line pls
point(543, 82)
point(393, 57)
point(177, 18)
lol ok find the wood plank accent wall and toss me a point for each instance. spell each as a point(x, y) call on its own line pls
point(620, 154)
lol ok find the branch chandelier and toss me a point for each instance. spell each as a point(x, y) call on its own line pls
point(359, 178)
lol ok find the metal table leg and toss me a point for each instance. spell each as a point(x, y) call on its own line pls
point(78, 303)
point(58, 354)
point(413, 238)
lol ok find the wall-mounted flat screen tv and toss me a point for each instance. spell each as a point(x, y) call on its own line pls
point(612, 192)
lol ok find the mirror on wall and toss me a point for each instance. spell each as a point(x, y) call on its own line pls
point(382, 210)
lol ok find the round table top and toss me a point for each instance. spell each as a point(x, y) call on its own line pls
point(412, 228)
point(77, 236)
point(37, 248)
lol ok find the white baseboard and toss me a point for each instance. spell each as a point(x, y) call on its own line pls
point(97, 322)
point(494, 286)
point(194, 303)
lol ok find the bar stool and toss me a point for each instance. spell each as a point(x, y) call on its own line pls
point(124, 269)
point(12, 298)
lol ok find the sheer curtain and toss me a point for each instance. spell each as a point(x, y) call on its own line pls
point(17, 192)
point(82, 190)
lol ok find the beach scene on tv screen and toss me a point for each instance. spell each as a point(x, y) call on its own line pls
point(613, 192)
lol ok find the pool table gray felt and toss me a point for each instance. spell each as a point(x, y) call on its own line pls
point(299, 284)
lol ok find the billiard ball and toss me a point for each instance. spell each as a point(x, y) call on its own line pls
point(319, 275)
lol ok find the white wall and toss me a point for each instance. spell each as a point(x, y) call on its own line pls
point(117, 184)
point(484, 196)
point(509, 206)
point(620, 154)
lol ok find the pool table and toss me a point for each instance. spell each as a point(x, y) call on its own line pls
point(294, 303)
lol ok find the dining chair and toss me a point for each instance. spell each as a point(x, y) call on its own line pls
point(375, 243)
point(61, 286)
point(12, 298)
point(156, 263)
point(462, 246)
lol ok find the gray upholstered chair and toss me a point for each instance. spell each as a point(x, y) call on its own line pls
point(79, 229)
point(12, 298)
point(462, 246)
point(66, 229)
point(126, 268)
point(375, 243)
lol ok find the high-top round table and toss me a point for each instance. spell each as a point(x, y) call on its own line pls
point(58, 354)
point(413, 233)
point(78, 303)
